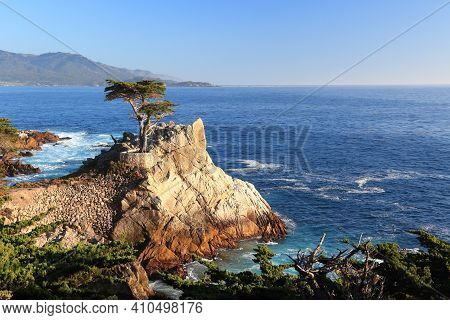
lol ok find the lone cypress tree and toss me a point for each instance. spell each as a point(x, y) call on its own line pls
point(146, 99)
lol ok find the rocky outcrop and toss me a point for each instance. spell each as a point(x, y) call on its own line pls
point(16, 167)
point(10, 163)
point(171, 202)
point(130, 282)
point(33, 140)
point(186, 204)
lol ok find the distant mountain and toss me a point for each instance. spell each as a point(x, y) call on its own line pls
point(60, 69)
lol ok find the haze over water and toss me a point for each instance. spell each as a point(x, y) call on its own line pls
point(378, 158)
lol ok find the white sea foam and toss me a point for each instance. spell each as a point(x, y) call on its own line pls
point(366, 190)
point(394, 175)
point(284, 179)
point(320, 178)
point(295, 188)
point(253, 268)
point(290, 224)
point(65, 156)
point(437, 229)
point(248, 256)
point(331, 188)
point(386, 176)
point(330, 197)
point(195, 270)
point(166, 290)
point(403, 207)
point(253, 165)
point(268, 243)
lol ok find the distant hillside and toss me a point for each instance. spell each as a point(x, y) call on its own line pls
point(59, 69)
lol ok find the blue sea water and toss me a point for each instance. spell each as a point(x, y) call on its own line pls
point(347, 161)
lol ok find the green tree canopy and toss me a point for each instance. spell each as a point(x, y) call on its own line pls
point(146, 99)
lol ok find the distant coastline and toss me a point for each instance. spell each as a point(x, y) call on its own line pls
point(67, 69)
point(187, 84)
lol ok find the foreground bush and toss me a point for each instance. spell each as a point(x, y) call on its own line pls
point(51, 271)
point(8, 135)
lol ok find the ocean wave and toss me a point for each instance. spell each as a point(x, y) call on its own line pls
point(320, 178)
point(195, 270)
point(50, 167)
point(268, 243)
point(330, 197)
point(290, 224)
point(397, 175)
point(366, 190)
point(403, 207)
point(253, 268)
point(331, 188)
point(284, 179)
point(295, 188)
point(253, 165)
point(63, 157)
point(248, 256)
point(166, 290)
point(436, 229)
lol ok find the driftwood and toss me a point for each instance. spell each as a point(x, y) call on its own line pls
point(114, 139)
point(362, 282)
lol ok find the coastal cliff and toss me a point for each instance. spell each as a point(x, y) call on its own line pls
point(171, 202)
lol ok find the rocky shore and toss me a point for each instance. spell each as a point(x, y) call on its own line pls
point(170, 202)
point(20, 145)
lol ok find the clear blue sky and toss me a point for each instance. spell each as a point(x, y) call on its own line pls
point(243, 42)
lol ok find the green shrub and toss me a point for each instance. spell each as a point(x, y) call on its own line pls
point(7, 128)
point(51, 271)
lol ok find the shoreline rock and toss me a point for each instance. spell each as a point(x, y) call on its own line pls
point(34, 140)
point(14, 168)
point(26, 140)
point(132, 283)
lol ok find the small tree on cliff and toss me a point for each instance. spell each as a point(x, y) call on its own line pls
point(146, 99)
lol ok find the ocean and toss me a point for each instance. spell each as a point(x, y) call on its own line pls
point(354, 162)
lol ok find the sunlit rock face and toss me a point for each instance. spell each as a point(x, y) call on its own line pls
point(188, 205)
point(172, 201)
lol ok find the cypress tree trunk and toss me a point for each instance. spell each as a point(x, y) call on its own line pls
point(144, 143)
point(142, 137)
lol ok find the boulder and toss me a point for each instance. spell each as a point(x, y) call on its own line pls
point(186, 204)
point(130, 282)
point(17, 167)
point(33, 140)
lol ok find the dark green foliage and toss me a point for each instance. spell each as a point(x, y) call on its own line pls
point(7, 128)
point(3, 199)
point(263, 257)
point(420, 275)
point(51, 271)
point(158, 109)
point(145, 89)
point(382, 271)
point(8, 137)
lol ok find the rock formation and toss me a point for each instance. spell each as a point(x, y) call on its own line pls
point(19, 146)
point(133, 282)
point(33, 140)
point(171, 202)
